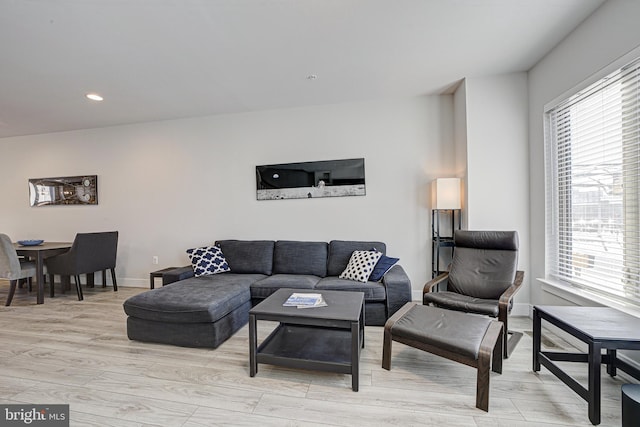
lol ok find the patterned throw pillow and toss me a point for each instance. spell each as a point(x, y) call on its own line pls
point(360, 265)
point(207, 260)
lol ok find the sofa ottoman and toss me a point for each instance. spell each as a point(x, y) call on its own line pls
point(196, 312)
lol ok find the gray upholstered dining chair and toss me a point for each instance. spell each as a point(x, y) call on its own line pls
point(89, 253)
point(12, 268)
point(483, 278)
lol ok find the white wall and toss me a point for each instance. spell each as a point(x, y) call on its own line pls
point(460, 143)
point(606, 35)
point(497, 164)
point(167, 186)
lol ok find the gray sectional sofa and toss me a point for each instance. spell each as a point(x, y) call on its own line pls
point(205, 311)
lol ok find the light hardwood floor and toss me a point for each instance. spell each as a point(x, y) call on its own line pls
point(67, 351)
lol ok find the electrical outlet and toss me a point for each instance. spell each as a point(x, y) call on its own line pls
point(155, 259)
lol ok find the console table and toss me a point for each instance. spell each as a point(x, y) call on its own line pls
point(599, 328)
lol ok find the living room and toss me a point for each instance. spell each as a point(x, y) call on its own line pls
point(168, 184)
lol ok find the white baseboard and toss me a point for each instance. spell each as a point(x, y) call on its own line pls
point(129, 282)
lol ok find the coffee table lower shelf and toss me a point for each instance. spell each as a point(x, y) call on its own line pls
point(307, 347)
point(313, 348)
point(328, 339)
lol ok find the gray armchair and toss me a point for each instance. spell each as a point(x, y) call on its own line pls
point(89, 253)
point(12, 268)
point(482, 279)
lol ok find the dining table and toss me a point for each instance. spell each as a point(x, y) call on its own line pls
point(39, 253)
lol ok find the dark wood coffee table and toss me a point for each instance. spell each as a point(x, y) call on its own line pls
point(321, 338)
point(598, 327)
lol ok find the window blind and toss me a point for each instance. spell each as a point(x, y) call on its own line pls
point(593, 187)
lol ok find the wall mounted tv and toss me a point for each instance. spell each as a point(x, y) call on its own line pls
point(305, 180)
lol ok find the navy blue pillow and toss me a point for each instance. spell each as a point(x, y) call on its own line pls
point(384, 264)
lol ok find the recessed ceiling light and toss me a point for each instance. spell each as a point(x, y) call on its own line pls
point(94, 97)
point(312, 77)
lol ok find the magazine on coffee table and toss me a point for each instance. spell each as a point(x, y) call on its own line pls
point(301, 300)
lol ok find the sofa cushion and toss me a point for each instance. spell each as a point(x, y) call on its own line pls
point(373, 291)
point(456, 301)
point(265, 287)
point(360, 265)
point(248, 256)
point(292, 257)
point(340, 252)
point(194, 300)
point(207, 260)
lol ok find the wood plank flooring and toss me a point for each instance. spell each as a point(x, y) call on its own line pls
point(77, 352)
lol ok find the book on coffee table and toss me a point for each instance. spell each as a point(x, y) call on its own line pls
point(301, 300)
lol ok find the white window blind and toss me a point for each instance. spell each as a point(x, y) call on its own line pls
point(593, 198)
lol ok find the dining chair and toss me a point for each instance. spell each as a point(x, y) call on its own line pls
point(89, 253)
point(12, 268)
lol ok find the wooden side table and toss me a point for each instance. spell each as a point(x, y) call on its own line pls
point(599, 328)
point(157, 273)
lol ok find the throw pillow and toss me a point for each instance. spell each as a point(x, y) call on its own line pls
point(360, 265)
point(207, 260)
point(383, 265)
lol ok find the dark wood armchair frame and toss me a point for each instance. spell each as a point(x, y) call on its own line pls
point(511, 338)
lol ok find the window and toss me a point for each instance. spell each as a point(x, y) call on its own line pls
point(593, 188)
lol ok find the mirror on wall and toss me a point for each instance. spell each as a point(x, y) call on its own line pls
point(327, 178)
point(66, 190)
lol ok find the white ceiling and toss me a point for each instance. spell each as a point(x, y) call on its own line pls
point(165, 59)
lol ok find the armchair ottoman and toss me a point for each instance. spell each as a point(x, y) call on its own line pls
point(465, 338)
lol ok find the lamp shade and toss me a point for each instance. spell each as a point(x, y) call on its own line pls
point(446, 193)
